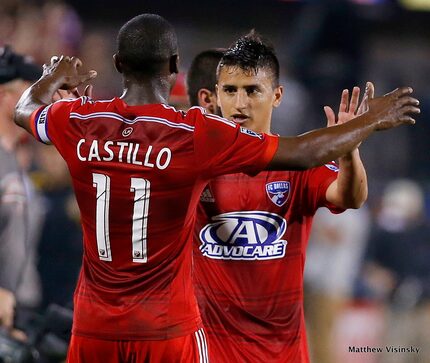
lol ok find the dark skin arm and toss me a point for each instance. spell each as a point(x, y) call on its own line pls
point(294, 153)
point(320, 146)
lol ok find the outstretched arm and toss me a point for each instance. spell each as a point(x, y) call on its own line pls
point(61, 74)
point(320, 146)
point(349, 190)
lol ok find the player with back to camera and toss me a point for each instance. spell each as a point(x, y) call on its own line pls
point(251, 233)
point(138, 168)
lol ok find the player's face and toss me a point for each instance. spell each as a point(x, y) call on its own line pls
point(248, 99)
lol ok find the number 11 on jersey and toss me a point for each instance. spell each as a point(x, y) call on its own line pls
point(141, 189)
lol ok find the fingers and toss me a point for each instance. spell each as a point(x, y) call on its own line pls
point(76, 62)
point(87, 76)
point(75, 92)
point(88, 91)
point(399, 92)
point(54, 59)
point(343, 106)
point(411, 110)
point(405, 119)
point(407, 100)
point(353, 104)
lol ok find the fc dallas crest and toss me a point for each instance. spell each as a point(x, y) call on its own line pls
point(278, 192)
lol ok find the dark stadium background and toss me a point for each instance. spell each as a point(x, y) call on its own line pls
point(323, 46)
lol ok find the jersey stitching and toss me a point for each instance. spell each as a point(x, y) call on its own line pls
point(128, 121)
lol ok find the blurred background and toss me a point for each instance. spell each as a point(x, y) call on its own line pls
point(368, 271)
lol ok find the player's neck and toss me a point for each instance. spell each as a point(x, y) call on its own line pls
point(146, 92)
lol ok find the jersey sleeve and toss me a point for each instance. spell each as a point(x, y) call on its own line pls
point(319, 179)
point(223, 147)
point(48, 122)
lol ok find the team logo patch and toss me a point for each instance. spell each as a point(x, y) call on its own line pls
point(251, 235)
point(127, 131)
point(249, 132)
point(278, 192)
point(332, 167)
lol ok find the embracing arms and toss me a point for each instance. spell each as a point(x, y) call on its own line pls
point(320, 146)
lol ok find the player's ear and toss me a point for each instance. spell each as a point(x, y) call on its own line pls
point(117, 63)
point(174, 64)
point(207, 99)
point(277, 96)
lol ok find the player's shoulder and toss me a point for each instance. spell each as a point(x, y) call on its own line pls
point(197, 113)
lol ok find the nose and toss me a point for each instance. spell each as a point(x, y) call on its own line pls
point(241, 100)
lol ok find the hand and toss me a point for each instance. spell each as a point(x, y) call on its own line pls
point(349, 111)
point(73, 93)
point(393, 109)
point(7, 306)
point(65, 70)
point(346, 111)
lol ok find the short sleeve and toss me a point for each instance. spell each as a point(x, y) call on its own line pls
point(47, 121)
point(223, 147)
point(319, 179)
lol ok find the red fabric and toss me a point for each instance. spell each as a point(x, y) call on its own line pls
point(252, 305)
point(108, 145)
point(184, 349)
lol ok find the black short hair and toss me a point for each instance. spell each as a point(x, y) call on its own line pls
point(145, 43)
point(202, 73)
point(250, 53)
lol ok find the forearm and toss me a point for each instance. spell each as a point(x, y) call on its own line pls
point(39, 94)
point(351, 183)
point(320, 146)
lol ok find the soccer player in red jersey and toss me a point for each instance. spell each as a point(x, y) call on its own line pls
point(251, 233)
point(138, 168)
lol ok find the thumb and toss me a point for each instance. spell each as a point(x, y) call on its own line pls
point(369, 94)
point(87, 76)
point(370, 90)
point(331, 117)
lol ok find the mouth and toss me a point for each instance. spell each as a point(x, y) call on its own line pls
point(239, 118)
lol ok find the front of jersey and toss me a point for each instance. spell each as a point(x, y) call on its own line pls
point(137, 172)
point(249, 254)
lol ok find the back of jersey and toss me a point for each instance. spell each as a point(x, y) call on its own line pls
point(138, 172)
point(121, 159)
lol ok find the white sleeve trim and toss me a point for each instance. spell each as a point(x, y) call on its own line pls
point(42, 126)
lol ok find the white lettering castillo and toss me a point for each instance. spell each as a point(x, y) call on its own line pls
point(123, 152)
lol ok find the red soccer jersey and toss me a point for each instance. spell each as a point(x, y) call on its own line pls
point(138, 172)
point(249, 254)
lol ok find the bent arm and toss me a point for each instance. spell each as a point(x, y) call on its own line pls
point(349, 190)
point(39, 94)
point(320, 146)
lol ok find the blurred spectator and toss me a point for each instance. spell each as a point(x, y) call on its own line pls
point(397, 269)
point(335, 252)
point(55, 28)
point(17, 235)
point(60, 246)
